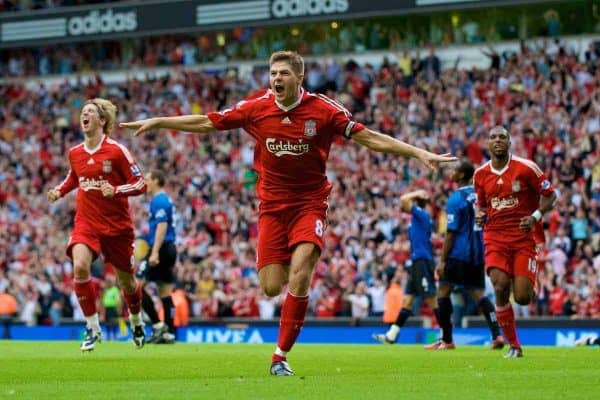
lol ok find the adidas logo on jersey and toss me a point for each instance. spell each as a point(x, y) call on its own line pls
point(499, 181)
point(90, 161)
point(286, 120)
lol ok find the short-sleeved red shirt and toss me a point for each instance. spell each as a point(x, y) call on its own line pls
point(510, 194)
point(110, 162)
point(292, 144)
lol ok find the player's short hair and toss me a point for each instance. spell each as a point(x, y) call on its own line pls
point(159, 176)
point(107, 111)
point(421, 202)
point(499, 128)
point(291, 57)
point(466, 168)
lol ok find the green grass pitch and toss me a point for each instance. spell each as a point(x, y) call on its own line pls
point(58, 370)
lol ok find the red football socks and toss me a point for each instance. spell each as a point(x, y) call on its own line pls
point(506, 320)
point(292, 319)
point(278, 358)
point(134, 300)
point(86, 295)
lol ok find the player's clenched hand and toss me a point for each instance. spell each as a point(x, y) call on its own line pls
point(439, 269)
point(431, 160)
point(480, 217)
point(141, 126)
point(153, 259)
point(53, 195)
point(108, 190)
point(526, 224)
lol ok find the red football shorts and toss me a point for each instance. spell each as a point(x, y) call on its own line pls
point(515, 261)
point(117, 250)
point(280, 231)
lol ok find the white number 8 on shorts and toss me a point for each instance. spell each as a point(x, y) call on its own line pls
point(319, 228)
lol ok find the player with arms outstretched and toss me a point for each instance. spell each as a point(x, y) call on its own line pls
point(105, 174)
point(513, 194)
point(294, 130)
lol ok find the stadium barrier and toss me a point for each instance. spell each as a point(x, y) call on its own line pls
point(532, 332)
point(539, 322)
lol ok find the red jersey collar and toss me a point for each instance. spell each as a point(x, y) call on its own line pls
point(503, 169)
point(95, 149)
point(293, 105)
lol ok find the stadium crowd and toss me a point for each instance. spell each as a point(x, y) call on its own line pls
point(25, 5)
point(234, 45)
point(549, 100)
point(188, 50)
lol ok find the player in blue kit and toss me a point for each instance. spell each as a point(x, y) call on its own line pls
point(158, 265)
point(461, 263)
point(421, 280)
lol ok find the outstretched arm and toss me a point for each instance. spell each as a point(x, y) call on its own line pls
point(186, 123)
point(490, 51)
point(386, 144)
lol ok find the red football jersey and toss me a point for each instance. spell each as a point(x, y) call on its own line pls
point(109, 162)
point(510, 194)
point(292, 144)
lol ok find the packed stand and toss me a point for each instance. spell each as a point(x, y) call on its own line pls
point(316, 39)
point(550, 101)
point(190, 50)
point(26, 5)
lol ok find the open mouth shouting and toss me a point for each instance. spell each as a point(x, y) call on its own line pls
point(279, 89)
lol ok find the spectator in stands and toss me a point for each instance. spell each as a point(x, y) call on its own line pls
point(8, 310)
point(359, 302)
point(182, 308)
point(111, 302)
point(376, 293)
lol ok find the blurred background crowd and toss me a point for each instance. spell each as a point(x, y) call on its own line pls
point(415, 31)
point(547, 96)
point(26, 5)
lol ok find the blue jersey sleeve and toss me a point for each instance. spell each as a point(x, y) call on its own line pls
point(419, 214)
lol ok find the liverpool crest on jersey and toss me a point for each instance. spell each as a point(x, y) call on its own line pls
point(107, 166)
point(516, 186)
point(310, 128)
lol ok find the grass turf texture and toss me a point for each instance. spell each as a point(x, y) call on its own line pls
point(58, 370)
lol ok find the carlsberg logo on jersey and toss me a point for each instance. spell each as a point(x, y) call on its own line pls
point(280, 148)
point(107, 22)
point(502, 204)
point(91, 184)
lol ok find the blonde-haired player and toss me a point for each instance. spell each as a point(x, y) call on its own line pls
point(106, 174)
